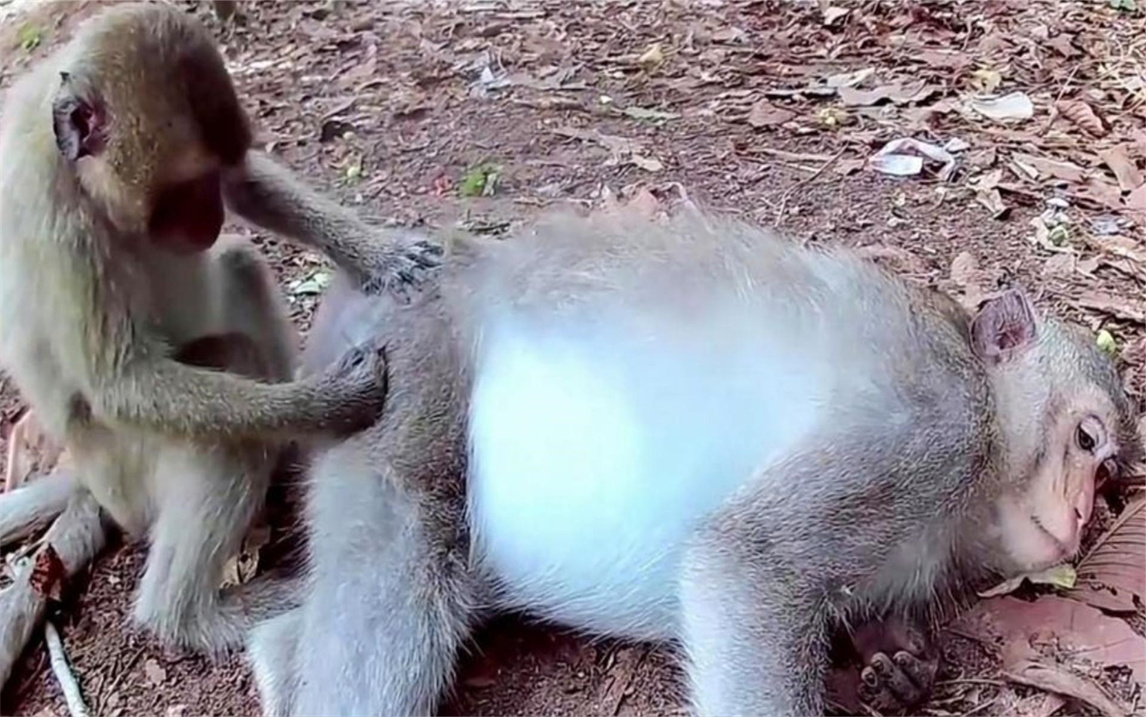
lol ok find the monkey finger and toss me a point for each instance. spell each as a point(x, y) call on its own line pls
point(921, 669)
point(896, 681)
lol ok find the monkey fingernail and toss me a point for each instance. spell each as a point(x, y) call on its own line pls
point(869, 677)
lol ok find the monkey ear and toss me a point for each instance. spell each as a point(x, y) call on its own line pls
point(1003, 327)
point(76, 122)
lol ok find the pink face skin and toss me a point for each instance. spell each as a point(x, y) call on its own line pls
point(1043, 525)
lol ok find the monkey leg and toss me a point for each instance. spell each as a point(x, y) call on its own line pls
point(255, 310)
point(754, 631)
point(271, 652)
point(391, 596)
point(206, 499)
point(27, 510)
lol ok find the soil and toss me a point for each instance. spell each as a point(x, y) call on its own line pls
point(396, 109)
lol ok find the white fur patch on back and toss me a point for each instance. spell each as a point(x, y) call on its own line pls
point(597, 449)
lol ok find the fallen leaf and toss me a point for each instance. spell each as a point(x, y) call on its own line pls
point(154, 671)
point(1057, 679)
point(1063, 44)
point(1065, 171)
point(1060, 265)
point(1082, 115)
point(1116, 306)
point(900, 94)
point(1106, 343)
point(945, 60)
point(312, 285)
point(849, 79)
point(766, 114)
point(1071, 631)
point(1112, 576)
point(652, 57)
point(1137, 199)
point(644, 113)
point(1129, 178)
point(1061, 576)
point(1139, 136)
point(1013, 106)
point(648, 164)
point(986, 80)
point(833, 14)
point(969, 279)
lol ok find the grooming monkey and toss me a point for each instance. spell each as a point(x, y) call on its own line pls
point(118, 306)
point(688, 432)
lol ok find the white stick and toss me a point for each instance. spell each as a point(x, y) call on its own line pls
point(63, 673)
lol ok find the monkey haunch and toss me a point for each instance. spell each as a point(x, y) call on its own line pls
point(115, 155)
point(693, 433)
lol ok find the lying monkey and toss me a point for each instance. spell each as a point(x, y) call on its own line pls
point(690, 432)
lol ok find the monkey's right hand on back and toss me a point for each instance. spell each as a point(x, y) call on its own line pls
point(407, 264)
point(359, 380)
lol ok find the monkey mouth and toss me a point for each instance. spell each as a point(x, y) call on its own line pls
point(1061, 549)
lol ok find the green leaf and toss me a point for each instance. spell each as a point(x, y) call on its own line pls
point(1106, 342)
point(30, 37)
point(480, 181)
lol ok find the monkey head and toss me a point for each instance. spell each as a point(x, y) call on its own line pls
point(1065, 424)
point(146, 118)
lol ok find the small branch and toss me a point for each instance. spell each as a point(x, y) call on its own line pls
point(59, 661)
point(803, 183)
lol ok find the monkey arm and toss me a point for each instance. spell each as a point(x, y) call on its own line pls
point(270, 196)
point(179, 399)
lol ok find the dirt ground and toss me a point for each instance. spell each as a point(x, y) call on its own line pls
point(477, 114)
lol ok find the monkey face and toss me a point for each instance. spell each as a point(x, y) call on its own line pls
point(187, 216)
point(1041, 519)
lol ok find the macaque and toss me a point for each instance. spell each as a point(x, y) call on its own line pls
point(688, 432)
point(158, 355)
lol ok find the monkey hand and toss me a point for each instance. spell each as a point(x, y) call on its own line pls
point(900, 665)
point(359, 381)
point(403, 267)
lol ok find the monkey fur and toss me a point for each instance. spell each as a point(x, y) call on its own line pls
point(115, 156)
point(688, 432)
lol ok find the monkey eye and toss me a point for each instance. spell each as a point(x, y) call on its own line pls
point(1089, 434)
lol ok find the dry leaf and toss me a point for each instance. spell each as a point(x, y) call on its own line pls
point(1076, 634)
point(1082, 115)
point(1112, 576)
point(945, 60)
point(652, 57)
point(766, 114)
point(1060, 265)
point(833, 15)
point(1129, 178)
point(1065, 171)
point(154, 671)
point(1010, 107)
point(1136, 201)
point(986, 80)
point(1057, 679)
point(1063, 45)
point(1117, 306)
point(1061, 576)
point(849, 79)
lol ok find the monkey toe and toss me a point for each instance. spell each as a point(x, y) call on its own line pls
point(888, 687)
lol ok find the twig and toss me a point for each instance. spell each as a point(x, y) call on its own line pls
point(803, 183)
point(64, 675)
point(1054, 105)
